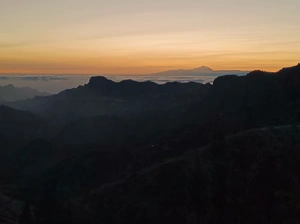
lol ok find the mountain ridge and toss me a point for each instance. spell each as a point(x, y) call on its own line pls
point(9, 93)
point(148, 153)
point(102, 96)
point(201, 71)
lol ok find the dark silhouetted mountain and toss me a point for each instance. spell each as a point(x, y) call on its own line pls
point(18, 127)
point(105, 97)
point(130, 152)
point(258, 99)
point(107, 107)
point(201, 71)
point(11, 93)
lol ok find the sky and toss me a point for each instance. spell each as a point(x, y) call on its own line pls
point(141, 37)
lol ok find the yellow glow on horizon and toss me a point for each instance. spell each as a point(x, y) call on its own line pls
point(111, 37)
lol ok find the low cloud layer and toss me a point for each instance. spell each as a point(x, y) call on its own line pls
point(34, 78)
point(44, 83)
point(57, 83)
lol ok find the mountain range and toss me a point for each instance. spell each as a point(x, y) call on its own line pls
point(140, 152)
point(102, 96)
point(10, 93)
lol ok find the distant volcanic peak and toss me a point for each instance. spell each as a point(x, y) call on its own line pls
point(203, 69)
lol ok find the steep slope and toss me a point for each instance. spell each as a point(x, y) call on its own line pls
point(251, 177)
point(18, 127)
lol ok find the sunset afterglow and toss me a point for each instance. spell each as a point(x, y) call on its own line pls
point(140, 37)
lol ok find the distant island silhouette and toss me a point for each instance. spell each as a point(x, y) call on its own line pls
point(201, 71)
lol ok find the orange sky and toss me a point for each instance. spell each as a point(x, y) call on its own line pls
point(134, 37)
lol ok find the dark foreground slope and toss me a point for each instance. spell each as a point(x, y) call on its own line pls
point(19, 127)
point(252, 177)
